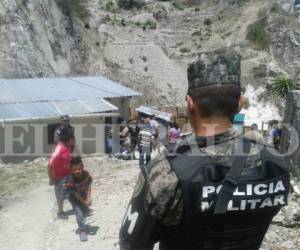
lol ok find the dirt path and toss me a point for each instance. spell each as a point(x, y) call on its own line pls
point(30, 222)
point(23, 224)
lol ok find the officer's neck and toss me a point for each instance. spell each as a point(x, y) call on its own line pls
point(211, 126)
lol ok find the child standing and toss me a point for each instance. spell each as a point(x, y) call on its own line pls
point(79, 186)
point(59, 169)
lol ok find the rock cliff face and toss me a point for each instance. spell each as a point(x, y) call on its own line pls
point(147, 48)
point(37, 39)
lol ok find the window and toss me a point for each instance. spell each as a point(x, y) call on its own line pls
point(51, 129)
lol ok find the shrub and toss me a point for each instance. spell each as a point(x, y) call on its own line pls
point(76, 9)
point(106, 19)
point(185, 50)
point(150, 24)
point(257, 34)
point(276, 8)
point(109, 5)
point(177, 6)
point(129, 4)
point(207, 22)
point(281, 85)
point(247, 103)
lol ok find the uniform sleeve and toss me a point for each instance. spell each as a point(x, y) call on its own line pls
point(138, 226)
point(149, 207)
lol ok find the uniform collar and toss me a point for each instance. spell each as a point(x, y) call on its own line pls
point(204, 141)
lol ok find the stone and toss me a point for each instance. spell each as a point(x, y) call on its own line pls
point(287, 245)
point(143, 18)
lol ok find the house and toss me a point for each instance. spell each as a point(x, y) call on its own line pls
point(30, 110)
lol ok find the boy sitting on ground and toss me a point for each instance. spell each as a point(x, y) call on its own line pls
point(79, 186)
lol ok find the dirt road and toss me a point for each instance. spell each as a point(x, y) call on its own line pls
point(30, 221)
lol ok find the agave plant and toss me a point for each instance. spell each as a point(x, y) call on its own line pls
point(281, 85)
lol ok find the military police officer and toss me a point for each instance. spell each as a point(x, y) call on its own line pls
point(219, 190)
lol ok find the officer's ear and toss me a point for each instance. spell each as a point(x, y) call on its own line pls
point(242, 102)
point(191, 105)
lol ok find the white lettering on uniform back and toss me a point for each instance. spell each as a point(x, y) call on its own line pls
point(208, 190)
point(205, 205)
point(253, 203)
point(279, 187)
point(219, 188)
point(271, 188)
point(132, 218)
point(266, 203)
point(249, 189)
point(243, 204)
point(279, 199)
point(230, 206)
point(260, 189)
point(238, 193)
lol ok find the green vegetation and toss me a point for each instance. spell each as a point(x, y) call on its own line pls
point(121, 21)
point(109, 5)
point(281, 85)
point(129, 4)
point(258, 34)
point(150, 24)
point(185, 50)
point(208, 22)
point(260, 71)
point(76, 9)
point(276, 8)
point(247, 103)
point(106, 19)
point(177, 6)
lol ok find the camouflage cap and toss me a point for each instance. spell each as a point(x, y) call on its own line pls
point(213, 69)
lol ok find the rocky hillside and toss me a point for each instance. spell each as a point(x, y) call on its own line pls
point(148, 45)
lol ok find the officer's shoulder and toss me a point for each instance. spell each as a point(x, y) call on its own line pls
point(159, 163)
point(258, 143)
point(160, 172)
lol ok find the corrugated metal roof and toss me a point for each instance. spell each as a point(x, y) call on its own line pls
point(60, 89)
point(34, 110)
point(110, 87)
point(158, 114)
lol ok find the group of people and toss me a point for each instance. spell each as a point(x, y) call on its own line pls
point(214, 190)
point(70, 179)
point(220, 190)
point(141, 135)
point(273, 138)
